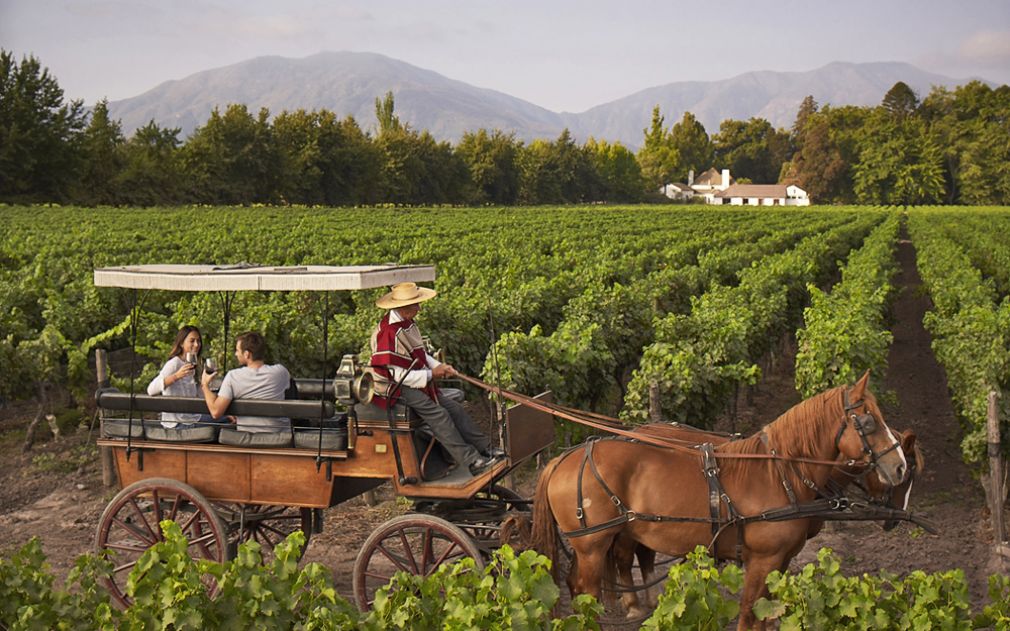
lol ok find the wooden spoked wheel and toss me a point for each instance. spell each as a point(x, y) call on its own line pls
point(266, 525)
point(413, 543)
point(131, 522)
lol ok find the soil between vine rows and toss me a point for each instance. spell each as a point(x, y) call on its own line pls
point(56, 494)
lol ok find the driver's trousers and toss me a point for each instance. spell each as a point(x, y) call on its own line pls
point(449, 423)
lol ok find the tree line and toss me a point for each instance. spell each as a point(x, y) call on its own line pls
point(950, 147)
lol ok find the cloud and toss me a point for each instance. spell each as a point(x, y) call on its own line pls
point(987, 48)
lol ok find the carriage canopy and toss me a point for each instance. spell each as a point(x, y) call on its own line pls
point(248, 277)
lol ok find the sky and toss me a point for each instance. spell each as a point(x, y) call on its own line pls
point(563, 55)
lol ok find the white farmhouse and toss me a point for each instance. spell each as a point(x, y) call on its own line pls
point(677, 191)
point(762, 195)
point(707, 185)
point(710, 183)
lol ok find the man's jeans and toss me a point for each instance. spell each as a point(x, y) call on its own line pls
point(449, 424)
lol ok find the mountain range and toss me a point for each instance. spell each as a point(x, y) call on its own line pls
point(348, 83)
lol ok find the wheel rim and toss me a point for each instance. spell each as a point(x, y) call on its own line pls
point(130, 525)
point(266, 525)
point(417, 544)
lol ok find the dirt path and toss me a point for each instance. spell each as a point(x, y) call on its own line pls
point(55, 492)
point(945, 492)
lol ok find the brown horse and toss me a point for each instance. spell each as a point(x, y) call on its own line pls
point(635, 493)
point(841, 477)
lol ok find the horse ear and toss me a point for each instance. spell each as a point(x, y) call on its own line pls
point(860, 387)
point(908, 441)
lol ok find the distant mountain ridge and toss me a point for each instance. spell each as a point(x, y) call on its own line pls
point(347, 83)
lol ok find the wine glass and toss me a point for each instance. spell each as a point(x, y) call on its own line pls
point(191, 359)
point(210, 365)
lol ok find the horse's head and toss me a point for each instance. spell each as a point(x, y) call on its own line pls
point(865, 438)
point(897, 496)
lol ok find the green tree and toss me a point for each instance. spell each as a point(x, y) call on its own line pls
point(151, 171)
point(39, 133)
point(618, 171)
point(540, 180)
point(578, 178)
point(231, 159)
point(350, 162)
point(493, 162)
point(751, 149)
point(808, 107)
point(658, 158)
point(818, 167)
point(385, 114)
point(970, 124)
point(102, 158)
point(900, 101)
point(899, 163)
point(693, 146)
point(417, 169)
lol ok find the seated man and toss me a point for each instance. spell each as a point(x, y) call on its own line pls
point(399, 357)
point(254, 380)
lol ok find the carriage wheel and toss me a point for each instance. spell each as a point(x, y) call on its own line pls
point(413, 543)
point(130, 525)
point(266, 525)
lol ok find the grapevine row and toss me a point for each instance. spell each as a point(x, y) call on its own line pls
point(604, 330)
point(699, 359)
point(845, 331)
point(970, 329)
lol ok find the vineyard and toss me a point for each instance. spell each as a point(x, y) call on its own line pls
point(680, 313)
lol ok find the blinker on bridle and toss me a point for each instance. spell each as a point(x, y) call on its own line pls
point(864, 424)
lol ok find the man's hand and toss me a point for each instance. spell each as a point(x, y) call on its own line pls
point(205, 379)
point(443, 370)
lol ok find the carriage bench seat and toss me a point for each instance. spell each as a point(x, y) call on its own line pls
point(154, 430)
point(332, 438)
point(113, 399)
point(239, 438)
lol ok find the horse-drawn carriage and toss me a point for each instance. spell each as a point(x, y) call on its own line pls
point(655, 489)
point(224, 487)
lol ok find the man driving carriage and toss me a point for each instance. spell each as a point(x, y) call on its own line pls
point(403, 370)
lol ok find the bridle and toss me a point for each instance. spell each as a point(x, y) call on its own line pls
point(865, 424)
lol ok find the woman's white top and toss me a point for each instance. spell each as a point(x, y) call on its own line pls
point(185, 387)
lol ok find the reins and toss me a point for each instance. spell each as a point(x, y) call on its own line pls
point(616, 427)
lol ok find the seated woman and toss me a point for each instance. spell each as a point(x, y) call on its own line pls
point(178, 377)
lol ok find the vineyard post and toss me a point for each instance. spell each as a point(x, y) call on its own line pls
point(655, 407)
point(995, 472)
point(105, 453)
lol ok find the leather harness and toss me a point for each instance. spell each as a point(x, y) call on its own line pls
point(828, 505)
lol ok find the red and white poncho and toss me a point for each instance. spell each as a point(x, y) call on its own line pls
point(396, 344)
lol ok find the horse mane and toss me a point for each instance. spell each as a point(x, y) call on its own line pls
point(798, 432)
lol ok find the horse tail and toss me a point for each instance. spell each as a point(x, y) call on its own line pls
point(544, 535)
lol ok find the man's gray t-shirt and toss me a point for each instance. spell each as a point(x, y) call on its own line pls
point(265, 382)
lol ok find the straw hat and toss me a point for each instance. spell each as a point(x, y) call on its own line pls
point(404, 294)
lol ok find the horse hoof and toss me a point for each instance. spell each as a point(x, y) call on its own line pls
point(635, 613)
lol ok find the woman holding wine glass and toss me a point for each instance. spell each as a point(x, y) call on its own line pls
point(178, 376)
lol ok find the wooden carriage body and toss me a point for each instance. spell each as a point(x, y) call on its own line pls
point(229, 493)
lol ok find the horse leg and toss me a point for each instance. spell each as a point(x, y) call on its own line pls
point(756, 571)
point(623, 558)
point(647, 566)
point(590, 569)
